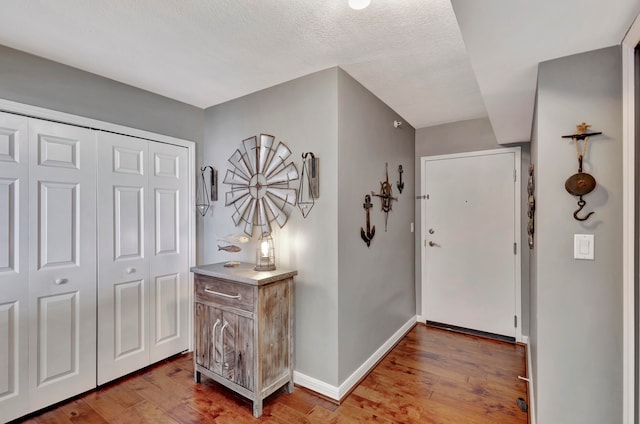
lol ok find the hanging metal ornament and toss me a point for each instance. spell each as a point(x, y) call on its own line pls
point(581, 183)
point(400, 184)
point(385, 196)
point(367, 235)
point(306, 196)
point(202, 195)
point(260, 184)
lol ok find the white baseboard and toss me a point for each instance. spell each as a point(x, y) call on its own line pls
point(336, 393)
point(525, 339)
point(318, 386)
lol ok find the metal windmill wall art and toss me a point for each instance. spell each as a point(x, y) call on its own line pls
point(260, 184)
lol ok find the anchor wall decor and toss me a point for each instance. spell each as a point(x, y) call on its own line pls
point(385, 196)
point(400, 184)
point(367, 236)
point(581, 183)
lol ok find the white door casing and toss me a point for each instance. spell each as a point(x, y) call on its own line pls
point(143, 254)
point(471, 220)
point(14, 269)
point(62, 261)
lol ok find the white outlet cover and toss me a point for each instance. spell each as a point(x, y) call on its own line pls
point(583, 247)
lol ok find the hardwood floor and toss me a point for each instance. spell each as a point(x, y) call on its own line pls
point(431, 376)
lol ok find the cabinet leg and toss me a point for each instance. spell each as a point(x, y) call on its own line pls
point(196, 376)
point(257, 408)
point(289, 387)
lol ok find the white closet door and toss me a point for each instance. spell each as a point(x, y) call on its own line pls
point(169, 260)
point(62, 262)
point(123, 278)
point(14, 270)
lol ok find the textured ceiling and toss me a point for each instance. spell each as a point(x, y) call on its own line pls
point(205, 52)
point(410, 53)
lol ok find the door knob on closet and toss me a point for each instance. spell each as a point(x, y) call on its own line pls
point(59, 281)
point(131, 270)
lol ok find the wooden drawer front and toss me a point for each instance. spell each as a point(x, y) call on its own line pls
point(225, 293)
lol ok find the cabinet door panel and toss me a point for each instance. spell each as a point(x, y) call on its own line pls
point(123, 276)
point(244, 353)
point(62, 262)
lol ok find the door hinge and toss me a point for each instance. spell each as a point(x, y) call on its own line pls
point(514, 176)
point(515, 248)
point(515, 321)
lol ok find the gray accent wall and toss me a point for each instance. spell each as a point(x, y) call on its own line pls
point(576, 312)
point(461, 137)
point(303, 114)
point(376, 284)
point(349, 299)
point(37, 81)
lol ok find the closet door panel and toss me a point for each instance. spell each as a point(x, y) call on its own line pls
point(62, 262)
point(168, 262)
point(14, 290)
point(123, 280)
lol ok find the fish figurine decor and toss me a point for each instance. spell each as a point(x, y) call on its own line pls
point(231, 248)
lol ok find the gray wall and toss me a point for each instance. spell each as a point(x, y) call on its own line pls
point(349, 299)
point(376, 284)
point(36, 81)
point(577, 342)
point(303, 114)
point(461, 137)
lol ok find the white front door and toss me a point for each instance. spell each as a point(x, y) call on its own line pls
point(62, 261)
point(14, 269)
point(470, 228)
point(143, 271)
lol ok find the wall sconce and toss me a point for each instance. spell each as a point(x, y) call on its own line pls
point(265, 254)
point(204, 194)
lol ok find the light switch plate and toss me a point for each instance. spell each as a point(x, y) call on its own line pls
point(583, 246)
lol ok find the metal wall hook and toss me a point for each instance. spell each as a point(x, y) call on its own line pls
point(581, 204)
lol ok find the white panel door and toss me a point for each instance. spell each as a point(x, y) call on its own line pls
point(469, 230)
point(62, 261)
point(14, 270)
point(123, 246)
point(169, 260)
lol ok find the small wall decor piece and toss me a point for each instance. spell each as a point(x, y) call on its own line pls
point(531, 186)
point(260, 184)
point(367, 236)
point(385, 196)
point(204, 194)
point(310, 175)
point(581, 183)
point(400, 184)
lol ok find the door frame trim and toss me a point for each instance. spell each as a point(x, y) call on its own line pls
point(517, 224)
point(630, 397)
point(80, 121)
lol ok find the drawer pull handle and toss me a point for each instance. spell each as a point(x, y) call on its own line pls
point(228, 296)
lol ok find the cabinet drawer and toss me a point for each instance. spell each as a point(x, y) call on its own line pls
point(225, 293)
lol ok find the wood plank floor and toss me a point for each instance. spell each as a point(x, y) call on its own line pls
point(431, 376)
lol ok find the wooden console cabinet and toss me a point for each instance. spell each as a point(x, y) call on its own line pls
point(244, 329)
